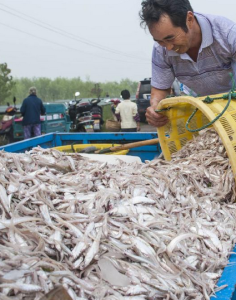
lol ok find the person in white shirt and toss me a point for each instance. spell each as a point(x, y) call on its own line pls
point(127, 113)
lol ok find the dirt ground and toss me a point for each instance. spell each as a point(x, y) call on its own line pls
point(147, 128)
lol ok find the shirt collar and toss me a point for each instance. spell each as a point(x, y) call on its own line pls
point(207, 35)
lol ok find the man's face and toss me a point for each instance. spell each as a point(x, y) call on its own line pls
point(170, 37)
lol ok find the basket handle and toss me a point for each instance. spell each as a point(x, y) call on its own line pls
point(213, 121)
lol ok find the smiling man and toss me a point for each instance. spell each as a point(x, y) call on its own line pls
point(198, 49)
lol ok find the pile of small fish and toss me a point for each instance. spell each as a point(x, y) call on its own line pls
point(157, 230)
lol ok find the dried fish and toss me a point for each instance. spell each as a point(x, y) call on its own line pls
point(158, 230)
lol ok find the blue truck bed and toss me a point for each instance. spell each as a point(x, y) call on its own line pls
point(62, 139)
point(145, 153)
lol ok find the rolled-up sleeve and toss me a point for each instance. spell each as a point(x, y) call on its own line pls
point(162, 74)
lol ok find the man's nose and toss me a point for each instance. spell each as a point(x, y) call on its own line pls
point(169, 46)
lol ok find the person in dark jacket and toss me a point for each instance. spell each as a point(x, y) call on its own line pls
point(31, 109)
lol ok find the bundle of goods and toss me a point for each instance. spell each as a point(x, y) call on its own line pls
point(113, 126)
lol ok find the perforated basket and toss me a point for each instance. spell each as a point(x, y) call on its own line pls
point(174, 135)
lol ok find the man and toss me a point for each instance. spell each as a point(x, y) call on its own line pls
point(198, 49)
point(31, 109)
point(127, 112)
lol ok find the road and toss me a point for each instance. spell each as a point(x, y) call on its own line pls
point(147, 128)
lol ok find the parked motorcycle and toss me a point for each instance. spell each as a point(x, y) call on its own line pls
point(84, 122)
point(86, 115)
point(97, 115)
point(77, 107)
point(6, 128)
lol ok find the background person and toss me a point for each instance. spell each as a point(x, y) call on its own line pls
point(31, 109)
point(114, 105)
point(127, 112)
point(198, 49)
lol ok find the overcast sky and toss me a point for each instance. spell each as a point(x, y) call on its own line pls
point(99, 39)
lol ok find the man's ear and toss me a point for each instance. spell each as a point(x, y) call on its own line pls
point(190, 19)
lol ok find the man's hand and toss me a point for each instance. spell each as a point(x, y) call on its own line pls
point(155, 119)
point(138, 127)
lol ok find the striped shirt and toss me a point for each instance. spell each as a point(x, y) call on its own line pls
point(210, 74)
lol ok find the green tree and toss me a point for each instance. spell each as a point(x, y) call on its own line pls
point(60, 88)
point(6, 82)
point(96, 90)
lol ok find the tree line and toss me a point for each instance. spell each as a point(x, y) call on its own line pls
point(60, 88)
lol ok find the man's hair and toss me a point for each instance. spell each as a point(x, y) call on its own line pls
point(153, 10)
point(32, 90)
point(125, 94)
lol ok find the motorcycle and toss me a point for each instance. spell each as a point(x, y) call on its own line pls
point(6, 128)
point(77, 108)
point(84, 122)
point(86, 115)
point(97, 115)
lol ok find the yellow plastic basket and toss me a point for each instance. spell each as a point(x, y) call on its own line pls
point(174, 135)
point(79, 147)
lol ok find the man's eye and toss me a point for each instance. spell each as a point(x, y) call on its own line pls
point(170, 39)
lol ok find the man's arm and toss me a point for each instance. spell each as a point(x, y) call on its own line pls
point(232, 43)
point(153, 118)
point(117, 113)
point(162, 79)
point(22, 109)
point(136, 116)
point(42, 108)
